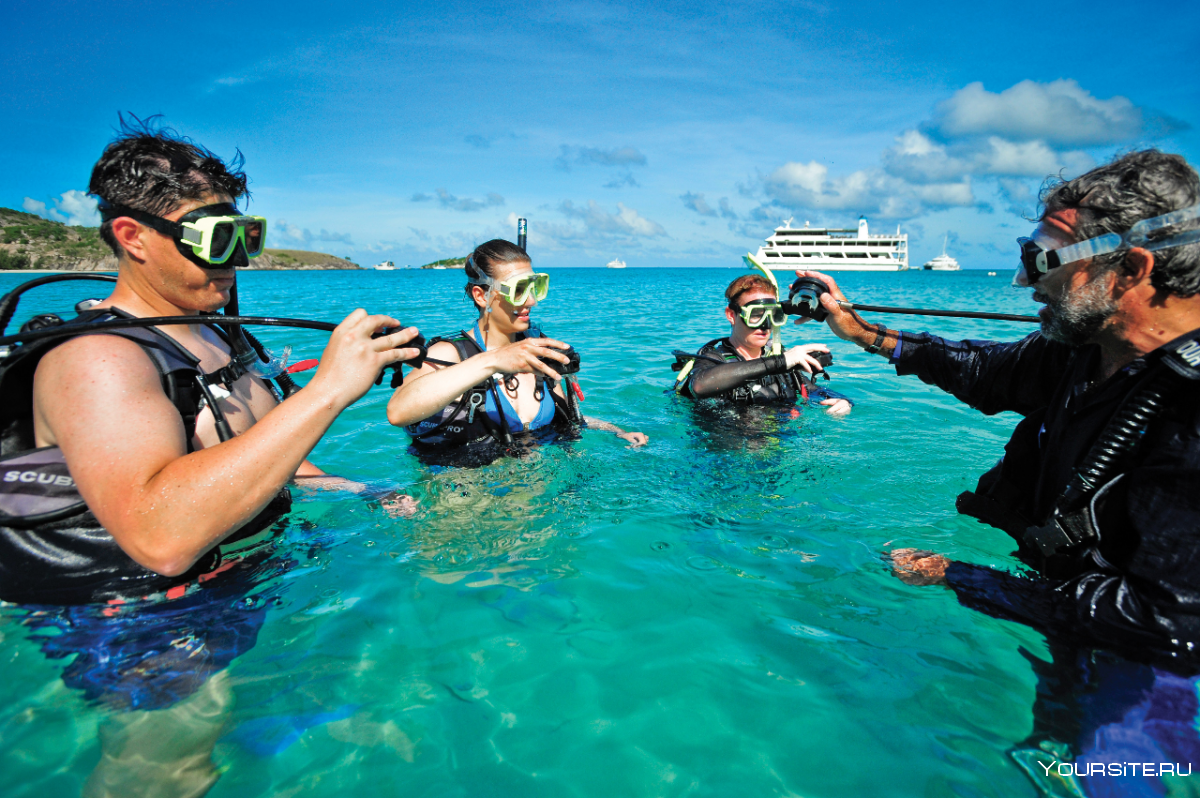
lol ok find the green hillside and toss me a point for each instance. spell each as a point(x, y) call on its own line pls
point(31, 242)
point(446, 263)
point(28, 241)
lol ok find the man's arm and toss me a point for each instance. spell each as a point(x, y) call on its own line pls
point(100, 399)
point(990, 377)
point(1139, 588)
point(709, 378)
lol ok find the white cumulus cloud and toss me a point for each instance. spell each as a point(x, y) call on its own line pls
point(871, 191)
point(73, 207)
point(1061, 113)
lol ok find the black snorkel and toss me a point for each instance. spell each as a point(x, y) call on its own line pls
point(805, 301)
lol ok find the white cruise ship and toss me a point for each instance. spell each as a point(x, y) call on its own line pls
point(943, 262)
point(386, 266)
point(829, 249)
point(616, 263)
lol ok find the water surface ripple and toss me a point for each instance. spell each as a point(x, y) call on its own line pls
point(708, 615)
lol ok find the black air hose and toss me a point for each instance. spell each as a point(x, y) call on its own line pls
point(8, 304)
point(1120, 435)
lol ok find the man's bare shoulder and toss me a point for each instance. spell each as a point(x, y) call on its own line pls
point(96, 357)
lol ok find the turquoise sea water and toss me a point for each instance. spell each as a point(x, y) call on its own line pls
point(709, 615)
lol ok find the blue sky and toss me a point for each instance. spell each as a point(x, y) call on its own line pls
point(669, 134)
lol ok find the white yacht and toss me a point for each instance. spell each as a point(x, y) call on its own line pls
point(943, 262)
point(830, 249)
point(386, 266)
point(616, 263)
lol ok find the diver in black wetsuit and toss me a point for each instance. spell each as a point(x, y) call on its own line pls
point(1099, 482)
point(740, 369)
point(505, 387)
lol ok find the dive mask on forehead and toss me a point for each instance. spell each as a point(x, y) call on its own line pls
point(759, 312)
point(208, 236)
point(1038, 255)
point(516, 289)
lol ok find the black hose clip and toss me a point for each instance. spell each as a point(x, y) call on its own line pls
point(805, 299)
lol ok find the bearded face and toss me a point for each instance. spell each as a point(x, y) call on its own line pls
point(1074, 317)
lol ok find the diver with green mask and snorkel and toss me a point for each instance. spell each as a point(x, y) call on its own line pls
point(499, 386)
point(750, 365)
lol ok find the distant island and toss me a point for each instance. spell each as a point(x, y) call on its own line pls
point(446, 263)
point(31, 242)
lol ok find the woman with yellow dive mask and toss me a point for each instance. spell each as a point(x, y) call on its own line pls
point(508, 385)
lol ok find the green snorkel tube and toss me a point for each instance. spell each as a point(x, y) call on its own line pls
point(776, 342)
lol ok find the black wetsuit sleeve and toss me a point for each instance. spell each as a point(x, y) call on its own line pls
point(1140, 587)
point(990, 377)
point(712, 379)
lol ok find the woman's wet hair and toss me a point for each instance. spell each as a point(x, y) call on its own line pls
point(748, 282)
point(486, 259)
point(1114, 197)
point(155, 169)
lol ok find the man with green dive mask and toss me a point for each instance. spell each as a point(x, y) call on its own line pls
point(172, 446)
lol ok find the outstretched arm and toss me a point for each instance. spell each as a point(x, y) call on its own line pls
point(635, 438)
point(989, 376)
point(100, 399)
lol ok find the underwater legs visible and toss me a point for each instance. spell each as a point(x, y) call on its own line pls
point(163, 753)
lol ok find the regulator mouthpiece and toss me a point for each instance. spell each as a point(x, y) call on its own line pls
point(805, 299)
point(269, 370)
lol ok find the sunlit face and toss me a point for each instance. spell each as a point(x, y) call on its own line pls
point(1078, 300)
point(177, 279)
point(741, 335)
point(506, 316)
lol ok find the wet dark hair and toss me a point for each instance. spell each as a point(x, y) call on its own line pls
point(154, 169)
point(484, 259)
point(1114, 197)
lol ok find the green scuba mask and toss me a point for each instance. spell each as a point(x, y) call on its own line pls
point(211, 233)
point(517, 289)
point(760, 312)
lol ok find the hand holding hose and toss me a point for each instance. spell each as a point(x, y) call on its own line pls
point(526, 357)
point(801, 357)
point(353, 358)
point(846, 324)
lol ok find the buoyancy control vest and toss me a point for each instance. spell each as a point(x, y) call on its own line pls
point(53, 550)
point(481, 415)
point(771, 389)
point(1163, 389)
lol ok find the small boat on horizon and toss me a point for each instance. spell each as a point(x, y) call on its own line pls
point(386, 266)
point(943, 262)
point(615, 263)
